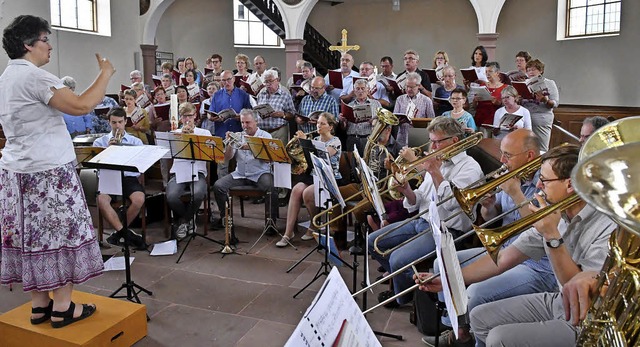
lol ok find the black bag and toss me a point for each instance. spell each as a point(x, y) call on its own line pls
point(425, 312)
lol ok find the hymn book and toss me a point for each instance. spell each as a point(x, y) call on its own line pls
point(507, 121)
point(396, 84)
point(482, 92)
point(264, 110)
point(313, 116)
point(335, 79)
point(136, 117)
point(162, 110)
point(433, 77)
point(357, 113)
point(223, 115)
point(157, 81)
point(469, 74)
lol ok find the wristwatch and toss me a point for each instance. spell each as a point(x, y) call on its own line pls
point(555, 243)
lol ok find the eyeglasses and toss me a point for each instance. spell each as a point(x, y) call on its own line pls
point(269, 82)
point(44, 39)
point(508, 155)
point(227, 79)
point(409, 58)
point(437, 142)
point(545, 180)
point(452, 76)
point(317, 88)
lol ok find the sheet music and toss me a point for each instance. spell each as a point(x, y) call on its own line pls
point(367, 175)
point(110, 182)
point(140, 157)
point(453, 288)
point(321, 323)
point(116, 263)
point(184, 171)
point(282, 175)
point(325, 172)
point(165, 248)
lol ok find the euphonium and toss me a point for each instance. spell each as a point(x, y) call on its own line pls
point(385, 118)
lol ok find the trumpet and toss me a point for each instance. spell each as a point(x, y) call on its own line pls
point(117, 137)
point(235, 140)
point(188, 127)
point(227, 228)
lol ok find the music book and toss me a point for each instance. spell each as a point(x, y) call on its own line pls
point(469, 74)
point(157, 80)
point(508, 120)
point(207, 71)
point(517, 75)
point(175, 74)
point(183, 81)
point(237, 80)
point(86, 153)
point(505, 78)
point(522, 89)
point(371, 191)
point(410, 113)
point(482, 92)
point(395, 84)
point(356, 113)
point(162, 110)
point(135, 117)
point(313, 116)
point(143, 100)
point(268, 149)
point(124, 87)
point(264, 110)
point(224, 115)
point(101, 110)
point(135, 158)
point(205, 147)
point(322, 324)
point(297, 78)
point(335, 79)
point(252, 88)
point(433, 76)
point(170, 90)
point(442, 101)
point(538, 85)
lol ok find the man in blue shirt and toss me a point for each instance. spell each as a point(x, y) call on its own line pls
point(228, 97)
point(76, 125)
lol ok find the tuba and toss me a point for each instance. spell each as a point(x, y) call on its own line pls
point(608, 180)
point(385, 118)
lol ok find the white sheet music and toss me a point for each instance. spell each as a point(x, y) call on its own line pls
point(140, 157)
point(323, 319)
point(453, 288)
point(282, 175)
point(185, 171)
point(110, 182)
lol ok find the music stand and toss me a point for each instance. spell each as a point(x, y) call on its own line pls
point(270, 150)
point(195, 148)
point(132, 159)
point(324, 172)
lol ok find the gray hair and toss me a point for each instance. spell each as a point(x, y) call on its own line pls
point(595, 121)
point(447, 126)
point(166, 75)
point(270, 73)
point(135, 73)
point(307, 65)
point(249, 112)
point(359, 82)
point(70, 82)
point(414, 76)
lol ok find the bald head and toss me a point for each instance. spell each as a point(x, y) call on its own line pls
point(317, 87)
point(519, 147)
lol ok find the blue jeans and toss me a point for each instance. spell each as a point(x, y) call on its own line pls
point(403, 255)
point(519, 280)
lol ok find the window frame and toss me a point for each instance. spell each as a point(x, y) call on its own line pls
point(564, 7)
point(101, 12)
point(248, 21)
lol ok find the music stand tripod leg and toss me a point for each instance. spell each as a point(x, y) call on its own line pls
point(270, 224)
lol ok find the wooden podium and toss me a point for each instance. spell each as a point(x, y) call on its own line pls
point(115, 323)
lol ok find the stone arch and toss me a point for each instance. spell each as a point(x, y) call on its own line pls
point(153, 19)
point(487, 12)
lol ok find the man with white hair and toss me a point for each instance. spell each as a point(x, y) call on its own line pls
point(136, 76)
point(273, 94)
point(76, 125)
point(423, 104)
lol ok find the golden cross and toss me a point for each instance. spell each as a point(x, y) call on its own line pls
point(344, 48)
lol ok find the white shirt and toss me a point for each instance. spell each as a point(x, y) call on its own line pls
point(199, 166)
point(37, 137)
point(525, 122)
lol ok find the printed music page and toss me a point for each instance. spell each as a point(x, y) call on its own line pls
point(140, 157)
point(323, 321)
point(481, 92)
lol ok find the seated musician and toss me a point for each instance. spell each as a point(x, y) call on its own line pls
point(422, 102)
point(460, 170)
point(249, 170)
point(517, 149)
point(357, 133)
point(137, 118)
point(131, 185)
point(575, 240)
point(385, 150)
point(304, 189)
point(317, 100)
point(184, 212)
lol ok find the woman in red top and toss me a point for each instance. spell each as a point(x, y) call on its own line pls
point(486, 109)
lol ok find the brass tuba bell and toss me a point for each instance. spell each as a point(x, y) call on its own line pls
point(385, 118)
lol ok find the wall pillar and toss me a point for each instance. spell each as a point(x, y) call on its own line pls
point(489, 41)
point(293, 51)
point(148, 63)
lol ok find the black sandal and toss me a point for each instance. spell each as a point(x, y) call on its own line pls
point(67, 316)
point(387, 294)
point(47, 313)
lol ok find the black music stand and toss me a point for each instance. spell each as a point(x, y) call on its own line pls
point(325, 175)
point(195, 148)
point(112, 159)
point(270, 150)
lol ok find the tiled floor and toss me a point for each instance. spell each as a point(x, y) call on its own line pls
point(238, 300)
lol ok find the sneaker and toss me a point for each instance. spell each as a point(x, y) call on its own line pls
point(114, 239)
point(181, 233)
point(447, 339)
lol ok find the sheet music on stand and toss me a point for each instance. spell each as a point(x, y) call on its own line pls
point(273, 151)
point(325, 175)
point(84, 154)
point(371, 188)
point(333, 319)
point(453, 288)
point(209, 148)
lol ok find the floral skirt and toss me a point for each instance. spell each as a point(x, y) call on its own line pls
point(47, 233)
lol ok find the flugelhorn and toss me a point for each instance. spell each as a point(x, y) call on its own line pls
point(117, 136)
point(235, 140)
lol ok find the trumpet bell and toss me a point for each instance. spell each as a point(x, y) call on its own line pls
point(608, 180)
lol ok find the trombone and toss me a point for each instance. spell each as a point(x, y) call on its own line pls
point(403, 170)
point(495, 239)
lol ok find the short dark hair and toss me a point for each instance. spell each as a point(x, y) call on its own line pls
point(460, 91)
point(193, 72)
point(182, 87)
point(387, 58)
point(525, 55)
point(485, 56)
point(563, 159)
point(116, 111)
point(23, 30)
point(216, 56)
